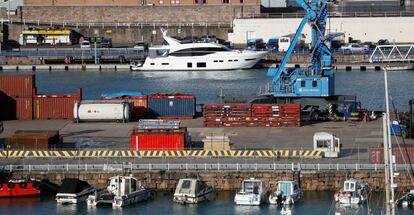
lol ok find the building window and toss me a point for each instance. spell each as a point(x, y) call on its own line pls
point(200, 1)
point(215, 61)
point(165, 64)
point(241, 1)
point(201, 64)
point(189, 65)
point(152, 64)
point(226, 1)
point(175, 1)
point(161, 2)
point(220, 61)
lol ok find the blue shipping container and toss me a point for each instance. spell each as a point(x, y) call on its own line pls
point(172, 106)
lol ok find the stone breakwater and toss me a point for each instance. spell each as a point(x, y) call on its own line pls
point(225, 181)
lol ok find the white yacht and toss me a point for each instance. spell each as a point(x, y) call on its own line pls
point(192, 191)
point(122, 191)
point(287, 193)
point(73, 191)
point(253, 192)
point(178, 56)
point(354, 192)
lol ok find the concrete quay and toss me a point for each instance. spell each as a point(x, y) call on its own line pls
point(356, 138)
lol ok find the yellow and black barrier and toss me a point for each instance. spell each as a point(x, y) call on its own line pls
point(161, 154)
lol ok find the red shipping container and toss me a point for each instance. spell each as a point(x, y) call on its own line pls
point(17, 86)
point(158, 140)
point(139, 104)
point(24, 108)
point(57, 106)
point(376, 154)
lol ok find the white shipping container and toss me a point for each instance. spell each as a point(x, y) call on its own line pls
point(101, 111)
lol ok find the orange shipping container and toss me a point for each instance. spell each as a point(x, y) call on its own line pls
point(17, 85)
point(55, 106)
point(24, 108)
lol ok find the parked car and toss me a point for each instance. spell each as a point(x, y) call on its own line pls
point(383, 42)
point(140, 45)
point(106, 43)
point(85, 44)
point(256, 44)
point(369, 45)
point(354, 47)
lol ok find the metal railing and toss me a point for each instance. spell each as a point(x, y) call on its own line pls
point(331, 14)
point(71, 52)
point(196, 167)
point(115, 25)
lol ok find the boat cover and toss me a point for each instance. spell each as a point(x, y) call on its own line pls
point(121, 94)
point(73, 186)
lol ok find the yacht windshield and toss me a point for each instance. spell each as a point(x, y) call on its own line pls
point(156, 53)
point(198, 51)
point(251, 187)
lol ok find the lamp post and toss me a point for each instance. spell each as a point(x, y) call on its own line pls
point(8, 11)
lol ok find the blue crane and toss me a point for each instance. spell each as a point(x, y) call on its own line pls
point(318, 80)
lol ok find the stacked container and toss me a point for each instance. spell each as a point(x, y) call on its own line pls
point(55, 106)
point(139, 102)
point(248, 115)
point(172, 106)
point(402, 155)
point(158, 135)
point(16, 97)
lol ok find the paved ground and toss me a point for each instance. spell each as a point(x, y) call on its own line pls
point(355, 137)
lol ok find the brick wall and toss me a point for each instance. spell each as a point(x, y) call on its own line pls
point(134, 14)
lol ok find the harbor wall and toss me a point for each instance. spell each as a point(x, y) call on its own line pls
point(395, 29)
point(224, 181)
point(128, 35)
point(134, 14)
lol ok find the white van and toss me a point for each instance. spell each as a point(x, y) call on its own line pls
point(284, 43)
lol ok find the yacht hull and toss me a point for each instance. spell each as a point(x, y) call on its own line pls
point(219, 61)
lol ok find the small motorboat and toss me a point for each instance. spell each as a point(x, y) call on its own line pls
point(121, 191)
point(74, 191)
point(192, 191)
point(253, 192)
point(354, 192)
point(287, 193)
point(406, 200)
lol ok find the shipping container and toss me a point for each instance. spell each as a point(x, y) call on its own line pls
point(156, 139)
point(172, 106)
point(376, 154)
point(91, 110)
point(139, 104)
point(17, 86)
point(55, 106)
point(15, 108)
point(33, 140)
point(248, 115)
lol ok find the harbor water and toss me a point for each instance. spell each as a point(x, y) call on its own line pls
point(368, 86)
point(314, 203)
